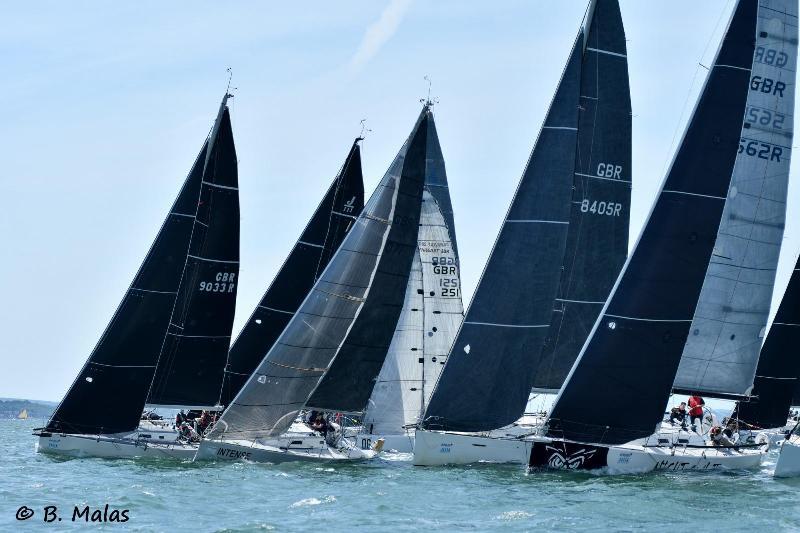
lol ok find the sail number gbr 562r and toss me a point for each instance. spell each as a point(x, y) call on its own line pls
point(223, 282)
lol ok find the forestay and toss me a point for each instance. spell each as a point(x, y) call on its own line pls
point(722, 351)
point(618, 387)
point(320, 239)
point(375, 247)
point(597, 239)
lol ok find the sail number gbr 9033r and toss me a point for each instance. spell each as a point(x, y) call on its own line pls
point(224, 282)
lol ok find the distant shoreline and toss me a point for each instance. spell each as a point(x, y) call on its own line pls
point(10, 408)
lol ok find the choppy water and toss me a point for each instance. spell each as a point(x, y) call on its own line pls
point(391, 495)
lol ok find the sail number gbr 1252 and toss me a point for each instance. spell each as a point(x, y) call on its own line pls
point(223, 282)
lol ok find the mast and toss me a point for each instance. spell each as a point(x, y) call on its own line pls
point(325, 231)
point(778, 371)
point(347, 314)
point(633, 352)
point(728, 327)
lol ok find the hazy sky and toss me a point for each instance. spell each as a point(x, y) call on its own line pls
point(107, 105)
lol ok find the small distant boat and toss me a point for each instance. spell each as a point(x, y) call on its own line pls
point(23, 415)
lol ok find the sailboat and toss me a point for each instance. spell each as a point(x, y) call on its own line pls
point(23, 415)
point(327, 358)
point(168, 340)
point(432, 313)
point(641, 338)
point(560, 248)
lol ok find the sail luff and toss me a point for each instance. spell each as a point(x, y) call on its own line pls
point(633, 351)
point(337, 211)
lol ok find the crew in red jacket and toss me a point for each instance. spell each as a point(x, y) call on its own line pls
point(696, 404)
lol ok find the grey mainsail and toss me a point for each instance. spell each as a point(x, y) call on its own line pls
point(354, 297)
point(722, 351)
point(632, 355)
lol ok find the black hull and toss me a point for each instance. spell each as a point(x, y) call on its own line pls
point(561, 455)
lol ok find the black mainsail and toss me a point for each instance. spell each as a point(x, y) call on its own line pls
point(597, 239)
point(778, 371)
point(633, 353)
point(109, 393)
point(564, 237)
point(350, 312)
point(320, 239)
point(192, 359)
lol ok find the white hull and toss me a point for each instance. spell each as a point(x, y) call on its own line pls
point(282, 449)
point(112, 447)
point(436, 448)
point(789, 459)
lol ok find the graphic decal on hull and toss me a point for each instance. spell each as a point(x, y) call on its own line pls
point(568, 456)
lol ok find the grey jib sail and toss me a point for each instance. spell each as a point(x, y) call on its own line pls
point(320, 239)
point(597, 239)
point(632, 355)
point(109, 393)
point(722, 351)
point(192, 359)
point(489, 372)
point(357, 297)
point(778, 371)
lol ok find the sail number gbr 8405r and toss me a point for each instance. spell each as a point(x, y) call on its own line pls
point(223, 282)
point(606, 171)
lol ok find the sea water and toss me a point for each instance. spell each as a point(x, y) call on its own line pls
point(382, 495)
